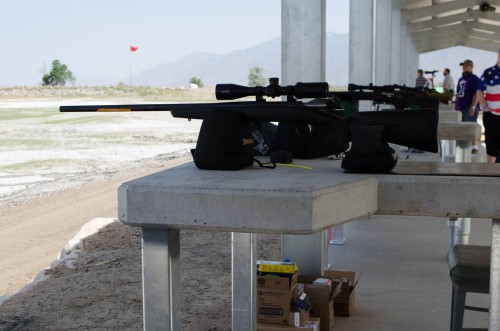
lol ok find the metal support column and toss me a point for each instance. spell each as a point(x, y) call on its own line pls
point(336, 235)
point(495, 277)
point(308, 251)
point(448, 150)
point(463, 152)
point(244, 287)
point(161, 279)
point(460, 227)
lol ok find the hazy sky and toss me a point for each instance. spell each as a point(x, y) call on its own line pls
point(93, 36)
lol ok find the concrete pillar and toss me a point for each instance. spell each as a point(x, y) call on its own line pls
point(361, 42)
point(303, 39)
point(383, 46)
point(403, 51)
point(411, 66)
point(396, 61)
point(414, 63)
point(303, 49)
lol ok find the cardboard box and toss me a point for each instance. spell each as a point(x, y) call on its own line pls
point(314, 324)
point(276, 267)
point(344, 302)
point(275, 296)
point(322, 298)
point(272, 282)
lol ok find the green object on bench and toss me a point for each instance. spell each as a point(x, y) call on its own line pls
point(469, 272)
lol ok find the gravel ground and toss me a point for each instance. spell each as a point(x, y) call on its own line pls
point(98, 286)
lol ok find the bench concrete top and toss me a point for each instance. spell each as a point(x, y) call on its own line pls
point(450, 116)
point(458, 131)
point(295, 200)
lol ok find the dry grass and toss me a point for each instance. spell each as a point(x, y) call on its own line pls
point(105, 92)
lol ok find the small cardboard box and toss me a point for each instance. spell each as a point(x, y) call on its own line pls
point(345, 300)
point(275, 296)
point(322, 298)
point(314, 324)
point(279, 267)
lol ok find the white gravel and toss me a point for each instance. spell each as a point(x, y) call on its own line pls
point(43, 150)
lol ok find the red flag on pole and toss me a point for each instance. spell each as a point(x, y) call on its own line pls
point(133, 48)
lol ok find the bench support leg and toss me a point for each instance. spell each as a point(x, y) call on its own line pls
point(244, 305)
point(495, 277)
point(161, 279)
point(308, 251)
point(459, 231)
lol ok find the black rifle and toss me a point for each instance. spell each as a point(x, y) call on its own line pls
point(398, 101)
point(415, 128)
point(401, 90)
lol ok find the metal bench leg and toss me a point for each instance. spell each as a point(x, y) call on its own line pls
point(161, 279)
point(244, 286)
point(337, 235)
point(494, 323)
point(457, 309)
point(459, 231)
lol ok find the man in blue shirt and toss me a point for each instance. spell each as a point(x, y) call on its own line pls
point(466, 100)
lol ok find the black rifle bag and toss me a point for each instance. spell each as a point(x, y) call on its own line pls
point(370, 152)
point(225, 142)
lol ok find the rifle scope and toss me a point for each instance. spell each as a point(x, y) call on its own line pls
point(299, 90)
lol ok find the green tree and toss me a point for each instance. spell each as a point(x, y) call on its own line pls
point(58, 75)
point(197, 81)
point(256, 78)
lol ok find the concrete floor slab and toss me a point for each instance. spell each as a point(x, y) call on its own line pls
point(405, 283)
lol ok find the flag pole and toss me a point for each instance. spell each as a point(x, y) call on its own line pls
point(132, 50)
point(130, 68)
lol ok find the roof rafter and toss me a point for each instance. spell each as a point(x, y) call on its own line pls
point(438, 24)
point(466, 29)
point(438, 9)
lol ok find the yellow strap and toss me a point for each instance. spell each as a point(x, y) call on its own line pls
point(294, 166)
point(103, 110)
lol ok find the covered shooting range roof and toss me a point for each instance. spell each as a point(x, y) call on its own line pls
point(439, 24)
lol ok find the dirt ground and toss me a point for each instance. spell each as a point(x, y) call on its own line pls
point(99, 288)
point(52, 186)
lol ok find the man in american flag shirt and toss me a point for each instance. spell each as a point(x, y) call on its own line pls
point(488, 95)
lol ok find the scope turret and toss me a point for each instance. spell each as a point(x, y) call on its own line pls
point(299, 90)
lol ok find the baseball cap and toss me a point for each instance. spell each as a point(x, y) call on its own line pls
point(467, 62)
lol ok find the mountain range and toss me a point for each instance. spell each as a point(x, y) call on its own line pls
point(235, 66)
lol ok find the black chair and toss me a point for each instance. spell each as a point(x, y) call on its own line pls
point(469, 272)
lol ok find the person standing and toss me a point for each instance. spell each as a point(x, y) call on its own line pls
point(448, 84)
point(421, 81)
point(466, 100)
point(490, 105)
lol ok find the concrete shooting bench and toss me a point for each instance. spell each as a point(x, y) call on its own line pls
point(456, 136)
point(456, 146)
point(295, 202)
